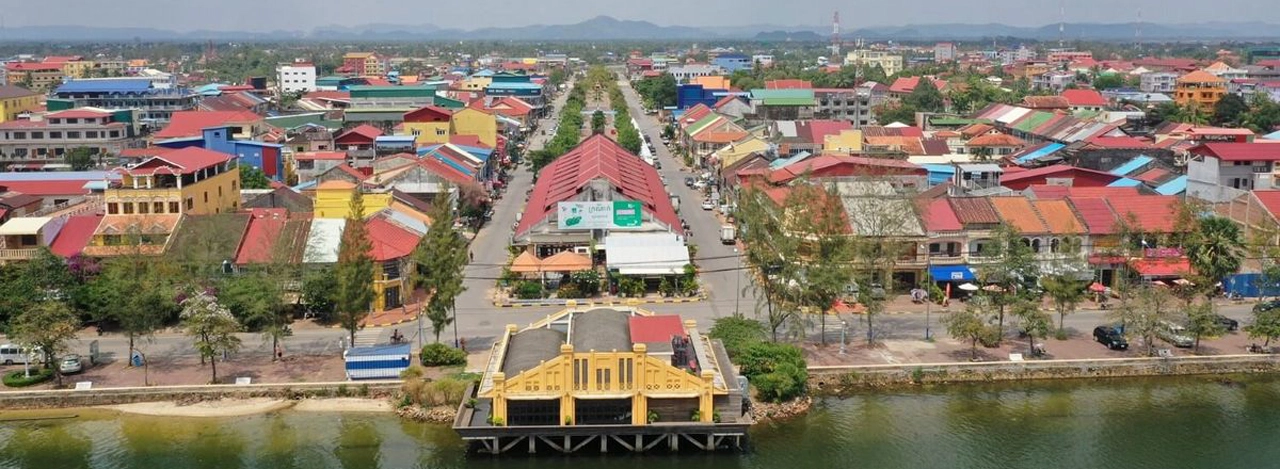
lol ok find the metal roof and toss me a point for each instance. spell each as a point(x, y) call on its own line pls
point(1132, 165)
point(602, 330)
point(24, 226)
point(323, 240)
point(114, 85)
point(1174, 187)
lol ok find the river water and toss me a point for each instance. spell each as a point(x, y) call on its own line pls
point(1140, 423)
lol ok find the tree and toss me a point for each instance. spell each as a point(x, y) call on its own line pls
point(1217, 249)
point(48, 326)
point(80, 159)
point(815, 215)
point(1009, 277)
point(967, 325)
point(925, 97)
point(1108, 81)
point(441, 257)
point(1229, 110)
point(354, 270)
point(253, 178)
point(1066, 291)
point(658, 91)
point(212, 327)
point(1203, 323)
point(254, 298)
point(597, 122)
point(1144, 312)
point(318, 288)
point(1033, 322)
point(1266, 324)
point(132, 291)
point(770, 254)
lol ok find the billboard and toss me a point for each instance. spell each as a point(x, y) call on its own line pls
point(598, 215)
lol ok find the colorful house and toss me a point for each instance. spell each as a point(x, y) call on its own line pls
point(1200, 87)
point(332, 199)
point(186, 181)
point(430, 125)
point(16, 100)
point(470, 121)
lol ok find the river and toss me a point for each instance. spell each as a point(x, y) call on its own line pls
point(1131, 423)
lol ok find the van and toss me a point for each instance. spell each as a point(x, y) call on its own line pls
point(11, 354)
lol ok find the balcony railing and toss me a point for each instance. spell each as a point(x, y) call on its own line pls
point(17, 254)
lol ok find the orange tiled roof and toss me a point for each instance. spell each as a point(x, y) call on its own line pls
point(1059, 216)
point(1019, 213)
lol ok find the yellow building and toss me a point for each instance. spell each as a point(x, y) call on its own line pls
point(740, 149)
point(36, 76)
point(476, 83)
point(481, 124)
point(847, 141)
point(187, 181)
point(1200, 87)
point(609, 366)
point(430, 125)
point(366, 64)
point(891, 63)
point(332, 199)
point(76, 68)
point(16, 100)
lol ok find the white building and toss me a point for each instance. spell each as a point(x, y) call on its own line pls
point(944, 52)
point(297, 77)
point(764, 60)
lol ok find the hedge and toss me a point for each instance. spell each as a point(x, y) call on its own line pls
point(18, 379)
point(439, 354)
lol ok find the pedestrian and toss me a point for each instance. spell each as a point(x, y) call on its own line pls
point(473, 256)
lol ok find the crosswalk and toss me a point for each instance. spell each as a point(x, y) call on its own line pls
point(369, 336)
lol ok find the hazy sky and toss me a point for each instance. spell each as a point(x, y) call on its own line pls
point(265, 15)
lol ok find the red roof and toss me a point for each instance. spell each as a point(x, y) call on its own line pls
point(32, 66)
point(1096, 214)
point(974, 210)
point(329, 95)
point(659, 328)
point(1084, 97)
point(69, 187)
point(77, 114)
point(364, 131)
point(445, 170)
point(1270, 199)
point(694, 114)
point(788, 84)
point(816, 131)
point(1163, 267)
point(427, 114)
point(908, 84)
point(1239, 151)
point(1048, 192)
point(840, 165)
point(467, 141)
point(1057, 170)
point(939, 216)
point(184, 161)
point(192, 123)
point(1150, 213)
point(145, 152)
point(390, 241)
point(995, 140)
point(598, 157)
point(1119, 142)
point(511, 106)
point(266, 226)
point(75, 234)
point(725, 101)
point(1152, 175)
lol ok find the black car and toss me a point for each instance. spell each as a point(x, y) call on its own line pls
point(1231, 325)
point(1109, 336)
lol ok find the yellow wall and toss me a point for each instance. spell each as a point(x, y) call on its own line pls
point(380, 287)
point(476, 83)
point(76, 69)
point(740, 150)
point(332, 203)
point(849, 140)
point(472, 122)
point(428, 132)
point(223, 194)
point(11, 107)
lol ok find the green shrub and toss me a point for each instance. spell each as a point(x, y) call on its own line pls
point(666, 287)
point(569, 290)
point(588, 281)
point(737, 333)
point(778, 371)
point(631, 287)
point(438, 354)
point(342, 391)
point(18, 378)
point(528, 290)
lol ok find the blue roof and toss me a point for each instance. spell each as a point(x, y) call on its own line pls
point(117, 85)
point(939, 173)
point(515, 85)
point(784, 162)
point(1133, 165)
point(1125, 182)
point(1176, 186)
point(1042, 152)
point(306, 185)
point(1272, 136)
point(397, 349)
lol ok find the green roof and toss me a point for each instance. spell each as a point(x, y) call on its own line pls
point(1027, 124)
point(298, 120)
point(365, 91)
point(448, 103)
point(956, 121)
point(788, 97)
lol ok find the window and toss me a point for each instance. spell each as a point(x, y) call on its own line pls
point(113, 208)
point(128, 208)
point(55, 134)
point(440, 132)
point(234, 186)
point(158, 207)
point(219, 192)
point(40, 135)
point(91, 134)
point(143, 208)
point(191, 203)
point(173, 207)
point(28, 240)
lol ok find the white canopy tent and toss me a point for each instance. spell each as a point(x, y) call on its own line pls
point(645, 253)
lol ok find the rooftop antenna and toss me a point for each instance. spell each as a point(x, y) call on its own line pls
point(835, 34)
point(1137, 35)
point(1062, 23)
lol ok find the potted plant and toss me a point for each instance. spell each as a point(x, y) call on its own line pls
point(653, 416)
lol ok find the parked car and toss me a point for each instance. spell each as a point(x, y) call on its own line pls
point(688, 182)
point(708, 204)
point(70, 364)
point(699, 184)
point(1231, 325)
point(1111, 337)
point(1174, 334)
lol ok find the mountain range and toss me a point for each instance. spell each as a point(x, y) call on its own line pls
point(604, 28)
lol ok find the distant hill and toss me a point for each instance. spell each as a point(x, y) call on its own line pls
point(604, 28)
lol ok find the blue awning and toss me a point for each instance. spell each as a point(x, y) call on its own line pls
point(951, 273)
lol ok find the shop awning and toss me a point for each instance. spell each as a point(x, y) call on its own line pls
point(526, 263)
point(951, 273)
point(646, 253)
point(1169, 267)
point(566, 261)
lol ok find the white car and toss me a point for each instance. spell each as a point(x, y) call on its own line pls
point(70, 364)
point(708, 205)
point(699, 184)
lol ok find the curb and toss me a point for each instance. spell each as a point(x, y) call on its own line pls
point(604, 303)
point(382, 324)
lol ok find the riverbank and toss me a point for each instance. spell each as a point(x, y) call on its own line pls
point(341, 395)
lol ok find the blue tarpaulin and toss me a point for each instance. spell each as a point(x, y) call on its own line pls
point(1135, 164)
point(1174, 187)
point(951, 273)
point(1250, 286)
point(1041, 152)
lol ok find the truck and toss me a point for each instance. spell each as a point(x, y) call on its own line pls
point(727, 234)
point(675, 203)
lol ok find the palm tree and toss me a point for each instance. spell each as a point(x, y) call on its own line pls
point(1218, 249)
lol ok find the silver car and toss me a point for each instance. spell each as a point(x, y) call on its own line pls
point(1174, 334)
point(71, 364)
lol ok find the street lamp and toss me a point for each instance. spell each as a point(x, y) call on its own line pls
point(844, 329)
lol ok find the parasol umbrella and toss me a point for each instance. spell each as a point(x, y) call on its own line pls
point(1097, 287)
point(968, 287)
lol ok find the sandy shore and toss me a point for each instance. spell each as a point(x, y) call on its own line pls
point(344, 404)
point(218, 408)
point(253, 406)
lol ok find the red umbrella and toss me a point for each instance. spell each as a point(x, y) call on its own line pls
point(1097, 287)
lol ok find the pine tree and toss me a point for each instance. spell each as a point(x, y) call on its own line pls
point(354, 269)
point(442, 255)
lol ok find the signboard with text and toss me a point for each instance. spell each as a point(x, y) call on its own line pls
point(598, 215)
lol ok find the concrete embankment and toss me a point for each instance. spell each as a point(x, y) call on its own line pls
point(838, 379)
point(60, 398)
